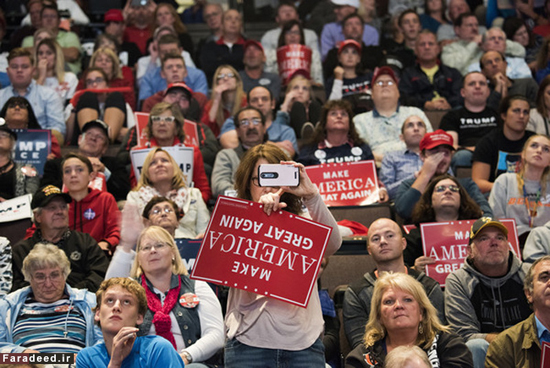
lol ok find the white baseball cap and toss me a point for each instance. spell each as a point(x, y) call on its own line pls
point(354, 3)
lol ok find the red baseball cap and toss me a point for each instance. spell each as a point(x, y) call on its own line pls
point(347, 43)
point(249, 43)
point(181, 85)
point(384, 70)
point(113, 15)
point(435, 139)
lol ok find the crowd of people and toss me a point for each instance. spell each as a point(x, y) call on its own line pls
point(146, 125)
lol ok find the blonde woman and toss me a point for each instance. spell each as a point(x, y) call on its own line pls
point(194, 329)
point(50, 69)
point(402, 315)
point(227, 98)
point(523, 195)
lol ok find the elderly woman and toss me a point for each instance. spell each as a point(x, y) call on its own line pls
point(523, 195)
point(444, 199)
point(165, 129)
point(161, 176)
point(185, 312)
point(262, 329)
point(402, 315)
point(15, 179)
point(62, 315)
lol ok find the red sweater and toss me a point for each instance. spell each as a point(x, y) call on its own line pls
point(212, 124)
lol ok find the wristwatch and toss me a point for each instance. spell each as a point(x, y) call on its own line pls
point(187, 356)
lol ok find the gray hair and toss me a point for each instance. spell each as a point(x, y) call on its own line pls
point(402, 355)
point(45, 255)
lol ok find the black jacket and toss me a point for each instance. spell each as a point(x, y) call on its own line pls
point(416, 89)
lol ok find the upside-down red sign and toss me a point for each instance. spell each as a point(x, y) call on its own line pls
point(277, 256)
point(446, 243)
point(347, 183)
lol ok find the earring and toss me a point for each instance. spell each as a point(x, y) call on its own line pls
point(420, 329)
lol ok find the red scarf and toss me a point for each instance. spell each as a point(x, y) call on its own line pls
point(161, 318)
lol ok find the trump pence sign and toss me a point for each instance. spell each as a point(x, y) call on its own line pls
point(277, 256)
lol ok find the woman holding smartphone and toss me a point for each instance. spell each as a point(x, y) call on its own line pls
point(262, 329)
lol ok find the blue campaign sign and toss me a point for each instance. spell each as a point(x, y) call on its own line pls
point(189, 248)
point(33, 147)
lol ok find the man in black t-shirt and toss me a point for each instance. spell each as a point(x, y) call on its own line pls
point(471, 122)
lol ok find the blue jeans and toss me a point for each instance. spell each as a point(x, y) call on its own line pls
point(478, 347)
point(239, 355)
point(462, 157)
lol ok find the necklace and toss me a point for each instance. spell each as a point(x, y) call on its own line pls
point(531, 205)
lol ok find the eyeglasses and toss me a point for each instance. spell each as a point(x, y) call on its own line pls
point(248, 122)
point(98, 80)
point(21, 105)
point(156, 211)
point(166, 119)
point(442, 188)
point(40, 278)
point(228, 75)
point(148, 248)
point(385, 83)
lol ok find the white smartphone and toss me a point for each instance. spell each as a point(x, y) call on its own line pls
point(276, 175)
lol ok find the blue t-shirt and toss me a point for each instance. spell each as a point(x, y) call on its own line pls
point(147, 352)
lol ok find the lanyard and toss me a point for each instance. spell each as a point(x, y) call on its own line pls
point(531, 206)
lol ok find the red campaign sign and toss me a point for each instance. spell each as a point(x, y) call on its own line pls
point(189, 127)
point(545, 355)
point(277, 256)
point(446, 242)
point(291, 58)
point(347, 183)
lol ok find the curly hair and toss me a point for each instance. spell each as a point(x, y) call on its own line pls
point(320, 132)
point(245, 172)
point(424, 212)
point(129, 285)
point(431, 325)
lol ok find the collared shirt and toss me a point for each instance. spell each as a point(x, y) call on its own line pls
point(152, 82)
point(542, 332)
point(332, 35)
point(398, 166)
point(46, 104)
point(382, 133)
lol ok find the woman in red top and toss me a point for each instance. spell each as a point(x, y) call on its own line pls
point(165, 129)
point(228, 97)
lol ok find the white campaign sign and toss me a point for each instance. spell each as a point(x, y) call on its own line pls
point(182, 155)
point(16, 209)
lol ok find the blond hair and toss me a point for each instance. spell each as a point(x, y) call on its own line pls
point(428, 327)
point(163, 236)
point(145, 181)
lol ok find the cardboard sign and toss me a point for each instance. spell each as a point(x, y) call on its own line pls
point(33, 147)
point(17, 208)
point(189, 127)
point(346, 184)
point(142, 118)
point(277, 256)
point(188, 248)
point(291, 58)
point(545, 355)
point(446, 242)
point(182, 155)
